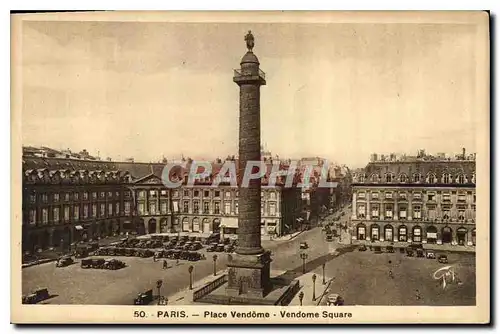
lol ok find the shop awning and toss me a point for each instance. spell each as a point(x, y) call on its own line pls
point(229, 222)
point(79, 227)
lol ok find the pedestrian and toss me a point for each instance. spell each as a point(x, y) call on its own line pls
point(154, 257)
point(390, 274)
point(177, 262)
point(165, 266)
point(417, 294)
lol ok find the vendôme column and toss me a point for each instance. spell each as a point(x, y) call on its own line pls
point(249, 268)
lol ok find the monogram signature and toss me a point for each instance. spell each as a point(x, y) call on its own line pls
point(447, 275)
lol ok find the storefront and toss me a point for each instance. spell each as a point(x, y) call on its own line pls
point(431, 235)
point(388, 233)
point(361, 232)
point(462, 236)
point(446, 235)
point(375, 233)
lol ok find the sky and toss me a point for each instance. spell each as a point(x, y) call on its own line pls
point(336, 90)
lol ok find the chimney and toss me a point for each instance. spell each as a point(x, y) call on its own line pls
point(463, 152)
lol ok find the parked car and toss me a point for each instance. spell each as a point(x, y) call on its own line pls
point(409, 252)
point(36, 296)
point(430, 255)
point(304, 245)
point(377, 250)
point(144, 298)
point(64, 261)
point(443, 259)
point(420, 253)
point(195, 246)
point(220, 248)
point(113, 264)
point(212, 247)
point(389, 249)
point(229, 248)
point(362, 248)
point(329, 237)
point(334, 300)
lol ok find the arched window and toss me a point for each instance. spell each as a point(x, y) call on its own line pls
point(374, 178)
point(403, 178)
point(416, 177)
point(446, 178)
point(431, 178)
point(388, 177)
point(461, 179)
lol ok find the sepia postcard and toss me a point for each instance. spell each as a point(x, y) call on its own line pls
point(250, 167)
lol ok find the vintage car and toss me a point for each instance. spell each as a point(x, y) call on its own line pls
point(144, 298)
point(303, 245)
point(195, 246)
point(220, 248)
point(229, 248)
point(187, 245)
point(212, 247)
point(226, 241)
point(443, 259)
point(430, 255)
point(113, 264)
point(389, 249)
point(377, 250)
point(409, 252)
point(420, 252)
point(329, 237)
point(362, 248)
point(36, 296)
point(64, 261)
point(334, 300)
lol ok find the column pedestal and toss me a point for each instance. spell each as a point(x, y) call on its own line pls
point(249, 275)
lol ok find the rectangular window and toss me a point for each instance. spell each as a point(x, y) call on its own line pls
point(175, 193)
point(361, 195)
point(117, 208)
point(186, 193)
point(45, 198)
point(152, 208)
point(217, 208)
point(76, 212)
point(388, 195)
point(102, 210)
point(110, 194)
point(163, 207)
point(117, 194)
point(461, 197)
point(388, 211)
point(75, 196)
point(361, 211)
point(32, 198)
point(417, 196)
point(185, 207)
point(152, 193)
point(446, 197)
point(102, 194)
point(66, 197)
point(140, 208)
point(94, 195)
point(227, 208)
point(402, 213)
point(196, 193)
point(163, 193)
point(431, 212)
point(417, 213)
point(56, 197)
point(374, 195)
point(206, 193)
point(272, 209)
point(126, 208)
point(32, 217)
point(110, 209)
point(206, 207)
point(196, 207)
point(56, 214)
point(402, 196)
point(45, 216)
point(85, 195)
point(431, 197)
point(141, 194)
point(66, 213)
point(85, 211)
point(227, 194)
point(94, 210)
point(375, 211)
point(217, 193)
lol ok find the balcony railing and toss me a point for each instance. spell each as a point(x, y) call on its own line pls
point(239, 73)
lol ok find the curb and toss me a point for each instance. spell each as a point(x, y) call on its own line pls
point(26, 265)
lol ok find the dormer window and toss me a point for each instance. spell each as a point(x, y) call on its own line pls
point(431, 178)
point(416, 178)
point(389, 177)
point(374, 178)
point(461, 179)
point(403, 178)
point(446, 178)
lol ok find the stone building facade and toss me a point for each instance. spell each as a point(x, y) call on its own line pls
point(415, 202)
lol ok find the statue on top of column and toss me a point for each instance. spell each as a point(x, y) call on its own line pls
point(250, 40)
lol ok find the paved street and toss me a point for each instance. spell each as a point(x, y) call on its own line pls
point(362, 278)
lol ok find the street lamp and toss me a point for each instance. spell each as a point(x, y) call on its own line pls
point(158, 286)
point(303, 256)
point(215, 264)
point(62, 246)
point(190, 269)
point(314, 286)
point(301, 296)
point(324, 265)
